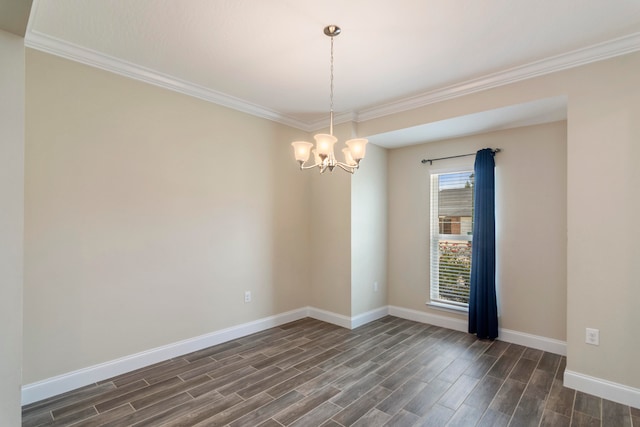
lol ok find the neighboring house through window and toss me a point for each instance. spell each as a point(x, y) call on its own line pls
point(451, 238)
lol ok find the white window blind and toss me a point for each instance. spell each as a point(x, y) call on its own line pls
point(451, 237)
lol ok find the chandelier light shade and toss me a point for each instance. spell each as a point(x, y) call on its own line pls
point(323, 156)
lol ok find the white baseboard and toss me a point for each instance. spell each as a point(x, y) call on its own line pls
point(550, 345)
point(602, 388)
point(431, 319)
point(62, 383)
point(329, 317)
point(66, 382)
point(369, 316)
point(345, 321)
point(522, 338)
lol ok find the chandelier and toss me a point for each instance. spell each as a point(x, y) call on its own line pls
point(323, 153)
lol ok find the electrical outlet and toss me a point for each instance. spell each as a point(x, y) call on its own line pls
point(592, 336)
point(375, 287)
point(247, 296)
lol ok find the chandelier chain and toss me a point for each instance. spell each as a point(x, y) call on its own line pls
point(331, 93)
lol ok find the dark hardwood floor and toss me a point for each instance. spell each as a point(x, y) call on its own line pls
point(390, 372)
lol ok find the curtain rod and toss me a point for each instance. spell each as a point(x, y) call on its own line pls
point(430, 161)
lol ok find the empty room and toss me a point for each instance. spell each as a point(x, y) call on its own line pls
point(302, 213)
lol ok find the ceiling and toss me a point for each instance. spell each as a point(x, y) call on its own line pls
point(270, 58)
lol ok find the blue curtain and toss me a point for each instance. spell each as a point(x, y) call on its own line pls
point(483, 310)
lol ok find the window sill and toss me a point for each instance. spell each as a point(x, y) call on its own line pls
point(447, 307)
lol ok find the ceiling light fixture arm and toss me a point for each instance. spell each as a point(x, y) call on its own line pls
point(330, 164)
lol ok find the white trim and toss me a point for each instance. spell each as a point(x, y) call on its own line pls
point(598, 52)
point(550, 345)
point(369, 316)
point(323, 123)
point(62, 383)
point(432, 319)
point(329, 317)
point(451, 308)
point(522, 338)
point(602, 388)
point(93, 58)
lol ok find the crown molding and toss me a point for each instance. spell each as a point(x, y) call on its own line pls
point(575, 58)
point(338, 118)
point(583, 56)
point(64, 49)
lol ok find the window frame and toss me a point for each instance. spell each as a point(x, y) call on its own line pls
point(434, 241)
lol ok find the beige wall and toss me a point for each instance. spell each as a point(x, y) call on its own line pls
point(530, 224)
point(369, 232)
point(602, 144)
point(148, 214)
point(11, 224)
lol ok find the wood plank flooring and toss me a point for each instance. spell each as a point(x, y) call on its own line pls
point(391, 372)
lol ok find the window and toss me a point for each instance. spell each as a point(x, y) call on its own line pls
point(451, 238)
